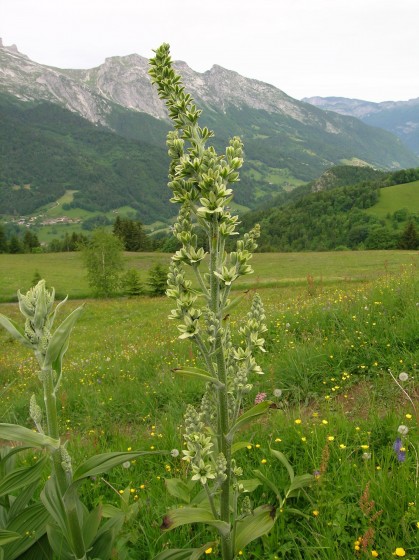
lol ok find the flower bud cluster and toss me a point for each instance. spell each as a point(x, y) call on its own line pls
point(65, 460)
point(199, 446)
point(35, 413)
point(254, 327)
point(36, 306)
point(180, 290)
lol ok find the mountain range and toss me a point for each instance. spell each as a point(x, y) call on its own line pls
point(100, 133)
point(399, 117)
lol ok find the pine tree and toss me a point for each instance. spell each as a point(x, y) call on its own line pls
point(409, 238)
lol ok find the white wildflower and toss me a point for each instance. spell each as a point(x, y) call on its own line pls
point(403, 430)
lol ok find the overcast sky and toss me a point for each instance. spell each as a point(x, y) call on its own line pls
point(365, 49)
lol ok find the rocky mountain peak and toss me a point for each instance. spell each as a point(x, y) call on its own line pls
point(11, 48)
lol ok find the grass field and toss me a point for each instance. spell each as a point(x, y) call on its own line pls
point(65, 271)
point(395, 198)
point(331, 342)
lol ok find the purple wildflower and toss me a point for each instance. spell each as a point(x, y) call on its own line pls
point(400, 450)
point(397, 445)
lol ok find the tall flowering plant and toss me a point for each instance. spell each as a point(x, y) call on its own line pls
point(200, 182)
point(74, 532)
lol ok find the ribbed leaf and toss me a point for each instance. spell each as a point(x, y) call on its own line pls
point(7, 458)
point(59, 340)
point(178, 488)
point(270, 485)
point(40, 550)
point(54, 503)
point(183, 553)
point(19, 478)
point(249, 416)
point(91, 524)
point(7, 537)
point(58, 542)
point(13, 329)
point(104, 462)
point(281, 457)
point(239, 445)
point(250, 485)
point(103, 543)
point(184, 516)
point(254, 526)
point(14, 432)
point(199, 374)
point(299, 482)
point(31, 524)
point(23, 499)
point(108, 510)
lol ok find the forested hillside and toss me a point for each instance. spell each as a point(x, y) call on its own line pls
point(47, 149)
point(334, 218)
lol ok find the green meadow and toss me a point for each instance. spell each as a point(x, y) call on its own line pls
point(64, 271)
point(342, 327)
point(396, 197)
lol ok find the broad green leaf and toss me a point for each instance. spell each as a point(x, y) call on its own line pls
point(184, 553)
point(239, 445)
point(7, 457)
point(109, 510)
point(19, 478)
point(103, 543)
point(58, 542)
point(104, 462)
point(250, 485)
point(296, 511)
point(23, 498)
point(7, 537)
point(59, 340)
point(91, 524)
point(254, 526)
point(270, 485)
point(178, 488)
point(299, 482)
point(200, 374)
point(53, 501)
point(249, 416)
point(57, 307)
point(14, 432)
point(281, 457)
point(31, 524)
point(40, 550)
point(13, 329)
point(176, 554)
point(183, 516)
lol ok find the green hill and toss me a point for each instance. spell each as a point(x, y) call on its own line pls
point(369, 215)
point(396, 198)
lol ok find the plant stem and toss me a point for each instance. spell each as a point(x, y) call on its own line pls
point(68, 494)
point(223, 421)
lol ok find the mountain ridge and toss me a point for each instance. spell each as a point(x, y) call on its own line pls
point(287, 142)
point(398, 117)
